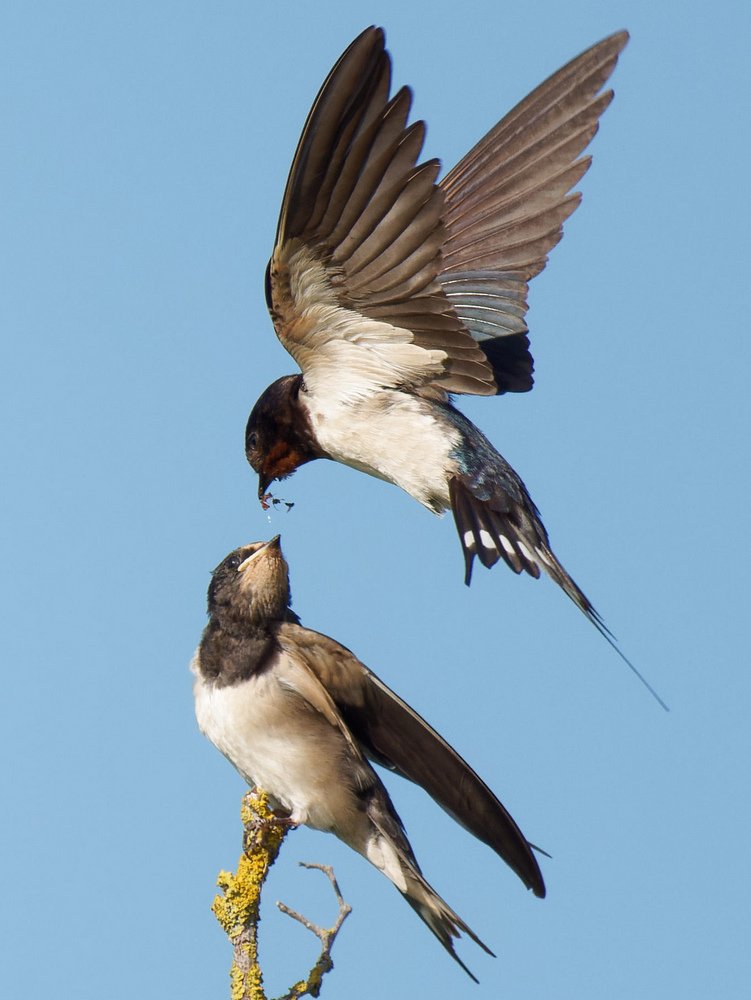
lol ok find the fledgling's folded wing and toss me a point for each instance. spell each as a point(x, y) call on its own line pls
point(507, 200)
point(352, 280)
point(387, 846)
point(395, 736)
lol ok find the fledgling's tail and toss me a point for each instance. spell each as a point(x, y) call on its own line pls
point(438, 915)
point(389, 850)
point(509, 527)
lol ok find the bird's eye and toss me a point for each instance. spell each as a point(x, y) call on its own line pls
point(252, 440)
point(234, 561)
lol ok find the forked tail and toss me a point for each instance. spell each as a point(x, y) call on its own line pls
point(502, 527)
point(389, 850)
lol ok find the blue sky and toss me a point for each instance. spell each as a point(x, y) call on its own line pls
point(146, 146)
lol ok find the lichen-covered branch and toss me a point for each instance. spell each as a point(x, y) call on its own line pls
point(237, 910)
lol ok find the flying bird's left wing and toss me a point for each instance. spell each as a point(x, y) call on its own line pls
point(507, 200)
point(395, 736)
point(352, 283)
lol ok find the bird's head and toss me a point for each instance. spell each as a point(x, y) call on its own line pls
point(251, 585)
point(278, 435)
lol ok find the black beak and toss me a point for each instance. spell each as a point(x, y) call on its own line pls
point(263, 484)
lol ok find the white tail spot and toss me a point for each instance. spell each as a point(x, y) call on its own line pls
point(507, 545)
point(526, 553)
point(487, 540)
point(541, 554)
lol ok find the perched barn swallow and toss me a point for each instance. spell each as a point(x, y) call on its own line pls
point(392, 292)
point(300, 717)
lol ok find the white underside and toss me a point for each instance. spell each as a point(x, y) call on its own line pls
point(277, 742)
point(391, 435)
point(280, 743)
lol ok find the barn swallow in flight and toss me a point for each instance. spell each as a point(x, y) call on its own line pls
point(392, 292)
point(300, 717)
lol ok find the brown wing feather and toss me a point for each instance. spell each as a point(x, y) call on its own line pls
point(395, 736)
point(507, 200)
point(361, 76)
point(451, 262)
point(357, 197)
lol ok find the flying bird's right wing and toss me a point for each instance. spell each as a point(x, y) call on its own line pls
point(395, 736)
point(352, 281)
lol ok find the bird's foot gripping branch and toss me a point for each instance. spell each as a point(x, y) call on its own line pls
point(238, 909)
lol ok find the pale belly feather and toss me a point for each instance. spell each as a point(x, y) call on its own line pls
point(277, 742)
point(392, 436)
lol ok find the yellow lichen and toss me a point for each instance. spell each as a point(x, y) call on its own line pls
point(237, 908)
point(246, 979)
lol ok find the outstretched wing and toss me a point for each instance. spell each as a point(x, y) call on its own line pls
point(352, 280)
point(395, 736)
point(506, 202)
point(381, 277)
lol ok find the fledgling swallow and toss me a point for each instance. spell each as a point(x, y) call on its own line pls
point(392, 292)
point(300, 717)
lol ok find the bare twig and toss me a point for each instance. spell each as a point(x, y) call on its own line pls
point(237, 910)
point(327, 936)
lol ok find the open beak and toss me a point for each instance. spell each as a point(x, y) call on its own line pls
point(272, 545)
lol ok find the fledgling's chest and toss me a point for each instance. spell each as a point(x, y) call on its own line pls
point(248, 722)
point(275, 740)
point(391, 435)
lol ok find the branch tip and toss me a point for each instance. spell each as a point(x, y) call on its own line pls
point(237, 910)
